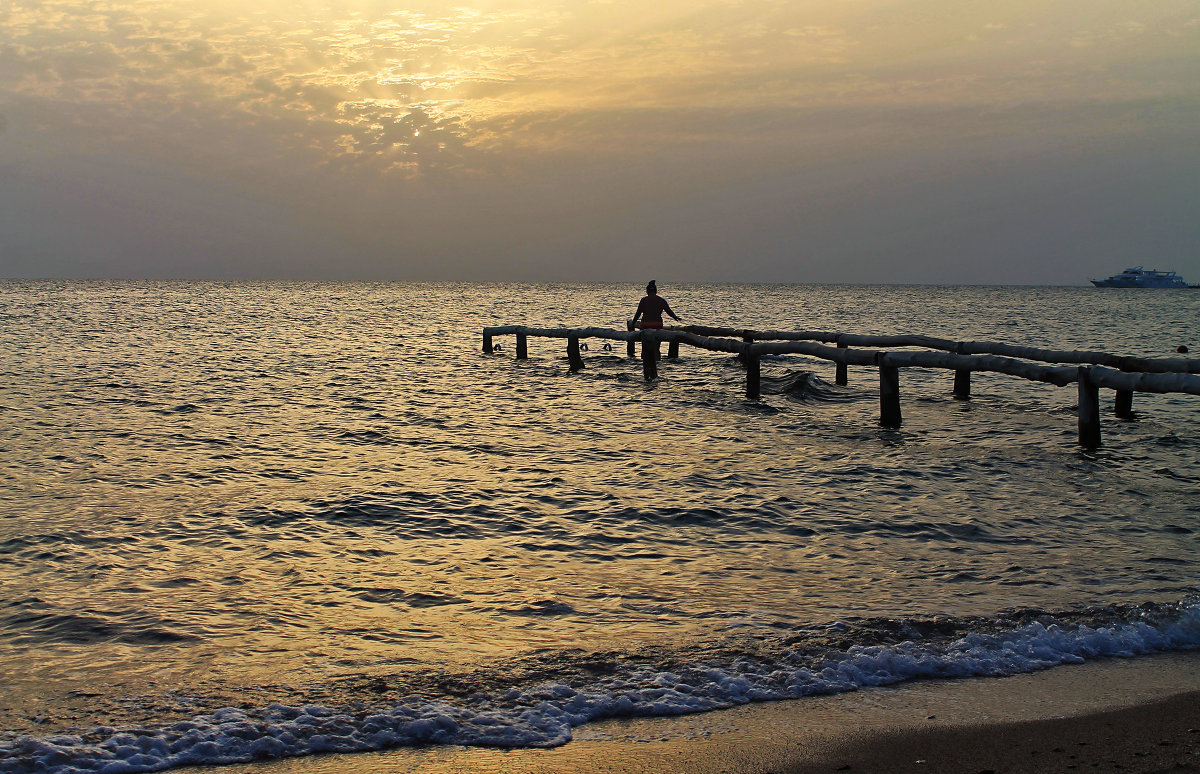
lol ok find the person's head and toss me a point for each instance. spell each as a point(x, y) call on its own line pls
point(652, 288)
point(1182, 349)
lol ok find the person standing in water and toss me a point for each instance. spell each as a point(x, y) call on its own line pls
point(651, 308)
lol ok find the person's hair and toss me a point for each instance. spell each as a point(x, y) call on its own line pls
point(652, 287)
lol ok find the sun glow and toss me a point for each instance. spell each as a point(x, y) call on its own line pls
point(357, 82)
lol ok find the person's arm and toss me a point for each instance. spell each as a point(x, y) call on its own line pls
point(667, 309)
point(638, 313)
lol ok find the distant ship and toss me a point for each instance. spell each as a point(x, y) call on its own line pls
point(1137, 277)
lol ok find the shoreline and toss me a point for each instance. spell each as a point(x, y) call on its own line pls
point(1139, 715)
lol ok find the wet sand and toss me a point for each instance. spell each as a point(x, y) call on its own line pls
point(1130, 716)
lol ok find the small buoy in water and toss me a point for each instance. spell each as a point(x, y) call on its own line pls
point(583, 347)
point(608, 346)
point(1181, 349)
point(497, 348)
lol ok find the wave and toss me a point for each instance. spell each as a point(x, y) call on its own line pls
point(30, 619)
point(577, 688)
point(807, 386)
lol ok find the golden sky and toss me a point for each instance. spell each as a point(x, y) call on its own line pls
point(663, 111)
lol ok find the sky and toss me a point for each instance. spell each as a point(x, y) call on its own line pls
point(866, 141)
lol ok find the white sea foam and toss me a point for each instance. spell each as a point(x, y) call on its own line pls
point(543, 716)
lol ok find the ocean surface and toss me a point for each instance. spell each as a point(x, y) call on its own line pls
point(252, 520)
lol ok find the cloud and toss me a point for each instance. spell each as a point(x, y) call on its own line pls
point(487, 80)
point(514, 136)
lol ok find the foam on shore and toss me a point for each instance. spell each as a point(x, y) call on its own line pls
point(544, 715)
point(1112, 716)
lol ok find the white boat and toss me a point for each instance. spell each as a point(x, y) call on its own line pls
point(1137, 277)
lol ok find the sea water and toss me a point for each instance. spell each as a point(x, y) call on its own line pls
point(250, 520)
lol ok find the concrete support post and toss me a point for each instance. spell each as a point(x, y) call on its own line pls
point(1089, 410)
point(1123, 407)
point(753, 377)
point(573, 356)
point(889, 395)
point(962, 384)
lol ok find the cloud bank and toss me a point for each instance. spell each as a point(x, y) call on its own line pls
point(743, 140)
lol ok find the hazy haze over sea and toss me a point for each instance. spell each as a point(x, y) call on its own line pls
point(232, 501)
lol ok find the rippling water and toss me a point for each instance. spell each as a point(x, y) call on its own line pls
point(318, 512)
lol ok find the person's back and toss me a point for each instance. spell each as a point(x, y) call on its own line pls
point(651, 307)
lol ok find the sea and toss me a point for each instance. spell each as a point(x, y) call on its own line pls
point(250, 520)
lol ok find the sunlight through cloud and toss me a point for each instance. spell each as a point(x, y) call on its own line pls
point(360, 83)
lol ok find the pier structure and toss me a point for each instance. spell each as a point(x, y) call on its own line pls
point(1090, 371)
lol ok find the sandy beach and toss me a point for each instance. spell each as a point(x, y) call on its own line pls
point(1137, 715)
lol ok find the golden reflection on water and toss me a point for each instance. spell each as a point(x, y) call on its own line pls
point(255, 484)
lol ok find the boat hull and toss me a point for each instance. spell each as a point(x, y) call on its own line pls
point(1138, 277)
point(1128, 284)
